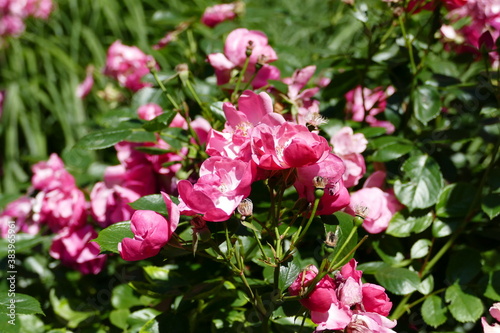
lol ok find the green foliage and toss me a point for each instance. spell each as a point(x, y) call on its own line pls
point(109, 238)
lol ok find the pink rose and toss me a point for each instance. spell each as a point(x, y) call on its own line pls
point(51, 174)
point(127, 64)
point(63, 209)
point(151, 232)
point(19, 213)
point(149, 111)
point(345, 142)
point(375, 299)
point(495, 313)
point(218, 13)
point(75, 249)
point(287, 146)
point(355, 169)
point(331, 170)
point(223, 183)
point(370, 322)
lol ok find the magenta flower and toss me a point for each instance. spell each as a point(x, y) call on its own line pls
point(127, 64)
point(331, 170)
point(219, 13)
point(286, 146)
point(51, 174)
point(235, 54)
point(20, 213)
point(63, 209)
point(223, 183)
point(75, 249)
point(151, 232)
point(364, 104)
point(149, 111)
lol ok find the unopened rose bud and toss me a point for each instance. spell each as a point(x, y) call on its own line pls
point(200, 229)
point(245, 208)
point(249, 49)
point(151, 64)
point(486, 43)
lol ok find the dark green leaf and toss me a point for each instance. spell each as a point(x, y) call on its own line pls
point(149, 95)
point(403, 224)
point(218, 112)
point(399, 281)
point(152, 202)
point(280, 86)
point(426, 103)
point(288, 274)
point(21, 303)
point(434, 311)
point(160, 122)
point(443, 228)
point(455, 200)
point(491, 205)
point(103, 139)
point(141, 136)
point(464, 307)
point(175, 137)
point(389, 148)
point(371, 132)
point(459, 272)
point(109, 238)
point(423, 182)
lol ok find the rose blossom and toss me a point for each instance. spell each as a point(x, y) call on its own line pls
point(364, 104)
point(235, 55)
point(51, 174)
point(127, 64)
point(331, 170)
point(223, 183)
point(20, 213)
point(219, 13)
point(381, 205)
point(495, 313)
point(75, 249)
point(151, 232)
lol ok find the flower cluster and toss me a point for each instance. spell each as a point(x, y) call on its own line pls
point(14, 12)
point(344, 301)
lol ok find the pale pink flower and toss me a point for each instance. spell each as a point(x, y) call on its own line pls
point(149, 111)
point(169, 37)
point(495, 313)
point(151, 232)
point(381, 205)
point(355, 169)
point(345, 142)
point(39, 8)
point(364, 104)
point(51, 174)
point(20, 213)
point(371, 322)
point(219, 13)
point(223, 183)
point(85, 87)
point(127, 64)
point(11, 25)
point(75, 249)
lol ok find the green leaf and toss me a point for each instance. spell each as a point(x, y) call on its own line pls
point(455, 200)
point(464, 307)
point(420, 249)
point(63, 309)
point(175, 137)
point(288, 274)
point(399, 281)
point(152, 202)
point(434, 311)
point(21, 303)
point(371, 132)
point(403, 224)
point(119, 318)
point(280, 86)
point(109, 238)
point(457, 271)
point(443, 228)
point(103, 139)
point(491, 205)
point(423, 182)
point(151, 326)
point(390, 148)
point(123, 297)
point(426, 103)
point(217, 111)
point(148, 95)
point(426, 286)
point(160, 122)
